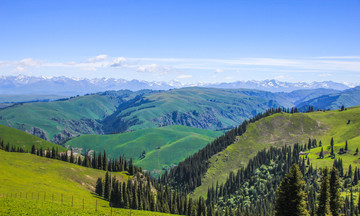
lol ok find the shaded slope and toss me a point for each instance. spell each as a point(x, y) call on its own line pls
point(162, 146)
point(277, 130)
point(59, 120)
point(195, 107)
point(348, 98)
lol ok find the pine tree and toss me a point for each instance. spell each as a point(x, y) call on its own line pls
point(131, 167)
point(334, 192)
point(290, 195)
point(33, 149)
point(321, 153)
point(332, 147)
point(99, 187)
point(107, 186)
point(324, 197)
point(346, 145)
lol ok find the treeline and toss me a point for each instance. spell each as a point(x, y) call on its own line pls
point(144, 193)
point(187, 175)
point(96, 161)
point(252, 190)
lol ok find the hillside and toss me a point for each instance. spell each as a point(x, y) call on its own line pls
point(18, 138)
point(205, 108)
point(114, 112)
point(39, 183)
point(348, 98)
point(283, 128)
point(163, 147)
point(58, 120)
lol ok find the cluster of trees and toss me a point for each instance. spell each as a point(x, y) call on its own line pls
point(187, 175)
point(10, 148)
point(263, 187)
point(145, 193)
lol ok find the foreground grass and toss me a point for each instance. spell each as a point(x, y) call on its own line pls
point(26, 173)
point(281, 129)
point(22, 206)
point(163, 146)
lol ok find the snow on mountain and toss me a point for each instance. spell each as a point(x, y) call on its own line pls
point(22, 84)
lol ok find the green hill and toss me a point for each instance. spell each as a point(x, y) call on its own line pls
point(45, 186)
point(163, 146)
point(283, 128)
point(121, 111)
point(348, 98)
point(24, 140)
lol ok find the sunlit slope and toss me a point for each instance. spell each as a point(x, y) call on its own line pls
point(18, 138)
point(280, 129)
point(27, 206)
point(163, 146)
point(27, 173)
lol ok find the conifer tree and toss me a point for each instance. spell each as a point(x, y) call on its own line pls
point(334, 192)
point(290, 195)
point(33, 149)
point(99, 187)
point(332, 147)
point(107, 186)
point(321, 153)
point(346, 145)
point(324, 197)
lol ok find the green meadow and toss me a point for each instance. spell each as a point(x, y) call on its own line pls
point(163, 146)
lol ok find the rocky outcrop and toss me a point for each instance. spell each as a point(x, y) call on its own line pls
point(37, 132)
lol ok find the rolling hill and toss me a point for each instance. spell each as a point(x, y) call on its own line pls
point(114, 112)
point(18, 138)
point(280, 129)
point(153, 149)
point(348, 98)
point(42, 186)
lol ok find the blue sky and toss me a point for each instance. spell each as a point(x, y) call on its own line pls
point(189, 41)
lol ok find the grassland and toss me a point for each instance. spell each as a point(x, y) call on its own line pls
point(163, 146)
point(44, 186)
point(282, 128)
point(24, 140)
point(26, 173)
point(27, 206)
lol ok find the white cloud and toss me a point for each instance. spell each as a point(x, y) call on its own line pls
point(153, 68)
point(229, 78)
point(97, 58)
point(184, 76)
point(119, 62)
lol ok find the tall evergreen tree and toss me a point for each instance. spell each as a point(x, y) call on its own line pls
point(290, 195)
point(334, 192)
point(324, 197)
point(99, 187)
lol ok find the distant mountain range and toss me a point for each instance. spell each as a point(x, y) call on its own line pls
point(75, 86)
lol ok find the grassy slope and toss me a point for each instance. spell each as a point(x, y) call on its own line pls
point(205, 107)
point(53, 117)
point(175, 142)
point(281, 129)
point(38, 178)
point(19, 138)
point(23, 206)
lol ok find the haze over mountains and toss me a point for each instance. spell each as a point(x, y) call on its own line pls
point(78, 86)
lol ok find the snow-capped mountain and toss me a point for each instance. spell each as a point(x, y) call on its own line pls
point(77, 86)
point(278, 86)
